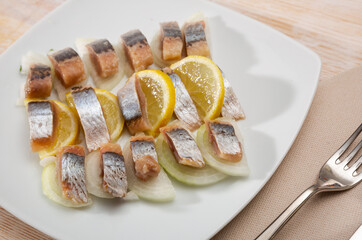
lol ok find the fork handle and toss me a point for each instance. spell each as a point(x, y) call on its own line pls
point(284, 217)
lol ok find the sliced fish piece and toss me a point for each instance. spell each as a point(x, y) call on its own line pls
point(39, 81)
point(42, 123)
point(103, 57)
point(195, 39)
point(185, 109)
point(113, 170)
point(71, 173)
point(133, 104)
point(91, 117)
point(138, 51)
point(223, 138)
point(68, 67)
point(183, 145)
point(231, 107)
point(171, 41)
point(144, 156)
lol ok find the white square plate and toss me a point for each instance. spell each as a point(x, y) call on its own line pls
point(275, 79)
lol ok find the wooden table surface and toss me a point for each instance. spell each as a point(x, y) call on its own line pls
point(332, 28)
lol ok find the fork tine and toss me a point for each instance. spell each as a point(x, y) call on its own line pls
point(343, 148)
point(356, 165)
point(352, 154)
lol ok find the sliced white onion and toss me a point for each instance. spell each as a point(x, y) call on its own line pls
point(47, 160)
point(104, 83)
point(240, 168)
point(157, 189)
point(185, 174)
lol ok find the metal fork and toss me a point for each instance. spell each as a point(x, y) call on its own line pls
point(335, 175)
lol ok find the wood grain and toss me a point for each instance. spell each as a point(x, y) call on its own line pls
point(332, 28)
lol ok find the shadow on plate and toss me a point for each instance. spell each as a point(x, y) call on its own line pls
point(263, 97)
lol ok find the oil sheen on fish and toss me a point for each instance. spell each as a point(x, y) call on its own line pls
point(41, 116)
point(71, 173)
point(103, 57)
point(171, 41)
point(39, 81)
point(132, 102)
point(68, 66)
point(138, 51)
point(195, 39)
point(185, 109)
point(144, 156)
point(183, 145)
point(91, 117)
point(224, 140)
point(231, 107)
point(113, 170)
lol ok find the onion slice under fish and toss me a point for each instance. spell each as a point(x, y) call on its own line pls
point(188, 175)
point(239, 168)
point(157, 189)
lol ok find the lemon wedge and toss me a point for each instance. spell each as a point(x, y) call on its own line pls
point(203, 80)
point(160, 94)
point(52, 190)
point(66, 130)
point(111, 111)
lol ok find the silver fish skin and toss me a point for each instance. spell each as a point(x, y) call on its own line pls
point(114, 174)
point(41, 120)
point(91, 117)
point(132, 102)
point(142, 146)
point(185, 109)
point(231, 107)
point(183, 146)
point(224, 140)
point(73, 177)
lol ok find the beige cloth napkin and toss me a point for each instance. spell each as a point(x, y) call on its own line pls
point(335, 113)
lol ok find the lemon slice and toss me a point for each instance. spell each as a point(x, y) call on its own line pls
point(203, 80)
point(52, 190)
point(160, 94)
point(111, 111)
point(66, 130)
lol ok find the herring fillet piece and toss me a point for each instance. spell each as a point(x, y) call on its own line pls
point(183, 145)
point(68, 66)
point(113, 170)
point(133, 103)
point(144, 156)
point(231, 107)
point(138, 52)
point(39, 81)
point(42, 124)
point(91, 117)
point(223, 138)
point(195, 39)
point(185, 109)
point(71, 173)
point(104, 57)
point(171, 41)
